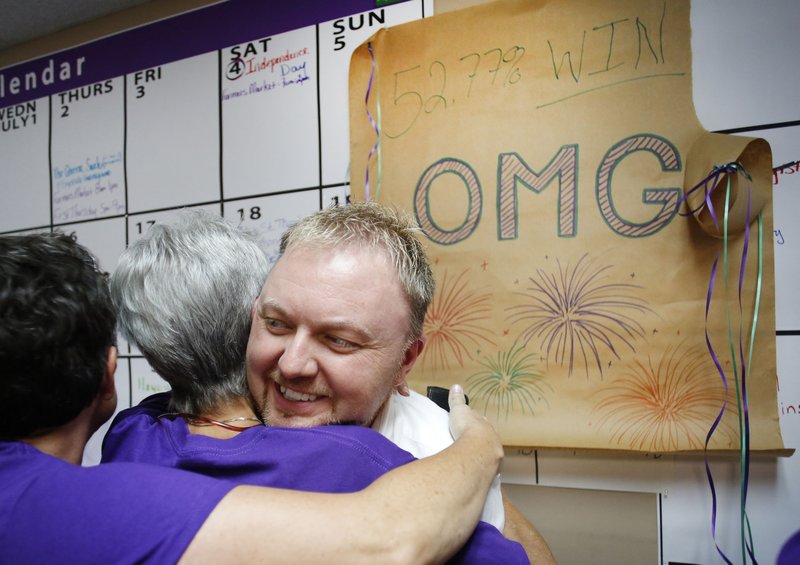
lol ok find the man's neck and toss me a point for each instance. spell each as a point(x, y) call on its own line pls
point(66, 442)
point(380, 415)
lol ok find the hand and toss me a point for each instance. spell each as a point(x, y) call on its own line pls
point(463, 418)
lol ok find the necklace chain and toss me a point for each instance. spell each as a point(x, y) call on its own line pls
point(198, 420)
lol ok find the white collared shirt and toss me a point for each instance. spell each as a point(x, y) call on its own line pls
point(416, 424)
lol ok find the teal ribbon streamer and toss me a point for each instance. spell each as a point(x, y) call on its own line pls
point(713, 178)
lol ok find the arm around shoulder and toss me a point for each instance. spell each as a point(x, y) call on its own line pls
point(422, 512)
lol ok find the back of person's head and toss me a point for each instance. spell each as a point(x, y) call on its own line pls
point(57, 324)
point(183, 294)
point(373, 226)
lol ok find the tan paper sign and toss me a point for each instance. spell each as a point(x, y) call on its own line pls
point(545, 148)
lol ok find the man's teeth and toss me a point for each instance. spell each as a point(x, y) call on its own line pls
point(292, 395)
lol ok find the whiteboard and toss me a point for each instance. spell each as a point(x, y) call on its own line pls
point(236, 108)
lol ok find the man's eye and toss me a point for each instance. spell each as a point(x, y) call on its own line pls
point(340, 343)
point(274, 324)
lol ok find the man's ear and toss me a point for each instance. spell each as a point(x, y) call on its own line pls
point(108, 389)
point(409, 359)
point(105, 402)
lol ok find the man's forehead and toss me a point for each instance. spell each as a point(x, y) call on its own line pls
point(277, 300)
point(320, 253)
point(348, 247)
point(313, 266)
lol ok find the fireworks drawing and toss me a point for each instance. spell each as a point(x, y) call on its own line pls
point(454, 323)
point(668, 406)
point(508, 381)
point(577, 318)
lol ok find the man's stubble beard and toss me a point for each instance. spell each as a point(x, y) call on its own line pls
point(330, 419)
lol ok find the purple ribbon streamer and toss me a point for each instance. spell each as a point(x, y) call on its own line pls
point(718, 419)
point(371, 120)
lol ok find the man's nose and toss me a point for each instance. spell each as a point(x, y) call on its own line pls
point(297, 360)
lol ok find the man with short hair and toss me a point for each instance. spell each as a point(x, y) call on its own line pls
point(339, 325)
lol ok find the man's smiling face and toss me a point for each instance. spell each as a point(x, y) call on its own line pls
point(329, 338)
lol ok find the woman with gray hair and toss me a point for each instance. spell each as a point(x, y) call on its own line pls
point(183, 295)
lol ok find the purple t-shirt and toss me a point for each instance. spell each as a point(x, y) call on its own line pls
point(54, 512)
point(322, 459)
point(790, 552)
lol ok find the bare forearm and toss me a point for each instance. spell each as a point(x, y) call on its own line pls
point(520, 529)
point(448, 499)
point(422, 512)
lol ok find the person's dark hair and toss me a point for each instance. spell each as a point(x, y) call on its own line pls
point(56, 326)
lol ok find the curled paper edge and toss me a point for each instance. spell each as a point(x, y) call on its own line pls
point(753, 156)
